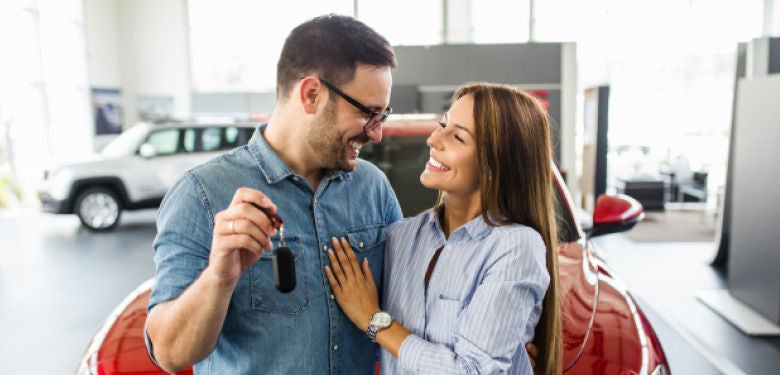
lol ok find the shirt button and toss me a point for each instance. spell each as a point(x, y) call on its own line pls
point(332, 296)
point(360, 244)
point(324, 248)
point(336, 347)
point(449, 247)
point(295, 178)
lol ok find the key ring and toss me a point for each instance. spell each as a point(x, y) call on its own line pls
point(283, 259)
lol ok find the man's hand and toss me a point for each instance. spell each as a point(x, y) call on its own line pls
point(185, 330)
point(532, 353)
point(241, 233)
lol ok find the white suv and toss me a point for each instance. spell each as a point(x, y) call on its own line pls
point(135, 170)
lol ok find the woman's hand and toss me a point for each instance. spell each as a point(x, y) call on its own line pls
point(352, 284)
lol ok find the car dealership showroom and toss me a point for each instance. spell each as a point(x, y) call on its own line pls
point(664, 125)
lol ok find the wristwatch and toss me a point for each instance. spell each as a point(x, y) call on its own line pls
point(379, 321)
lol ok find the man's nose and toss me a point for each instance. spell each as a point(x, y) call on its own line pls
point(375, 134)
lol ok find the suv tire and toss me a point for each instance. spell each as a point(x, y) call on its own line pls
point(98, 208)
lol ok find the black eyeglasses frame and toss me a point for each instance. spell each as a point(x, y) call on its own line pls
point(374, 118)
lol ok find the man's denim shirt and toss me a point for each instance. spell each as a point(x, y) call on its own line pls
point(266, 331)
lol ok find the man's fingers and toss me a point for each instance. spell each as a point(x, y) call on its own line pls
point(246, 203)
point(244, 242)
point(246, 195)
point(229, 225)
point(530, 348)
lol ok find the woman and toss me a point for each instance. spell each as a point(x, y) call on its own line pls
point(466, 282)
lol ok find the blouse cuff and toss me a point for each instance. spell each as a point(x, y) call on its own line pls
point(410, 353)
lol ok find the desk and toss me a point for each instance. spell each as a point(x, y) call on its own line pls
point(651, 193)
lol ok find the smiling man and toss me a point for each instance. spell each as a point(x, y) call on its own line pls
point(214, 303)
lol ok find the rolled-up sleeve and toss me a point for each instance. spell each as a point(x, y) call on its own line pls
point(182, 245)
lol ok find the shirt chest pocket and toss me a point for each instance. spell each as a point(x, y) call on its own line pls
point(265, 296)
point(444, 320)
point(369, 242)
point(367, 239)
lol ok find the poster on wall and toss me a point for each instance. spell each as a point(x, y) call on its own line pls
point(107, 108)
point(155, 108)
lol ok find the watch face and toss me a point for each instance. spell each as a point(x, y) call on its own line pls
point(381, 319)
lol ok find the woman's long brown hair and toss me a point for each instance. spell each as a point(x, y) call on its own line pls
point(514, 155)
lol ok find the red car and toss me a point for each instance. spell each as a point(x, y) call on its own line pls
point(604, 331)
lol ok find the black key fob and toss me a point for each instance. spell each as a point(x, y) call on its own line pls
point(284, 269)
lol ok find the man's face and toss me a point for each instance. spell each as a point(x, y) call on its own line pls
point(337, 135)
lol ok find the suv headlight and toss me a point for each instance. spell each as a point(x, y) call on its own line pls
point(50, 173)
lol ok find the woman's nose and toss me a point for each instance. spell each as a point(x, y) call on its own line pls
point(434, 140)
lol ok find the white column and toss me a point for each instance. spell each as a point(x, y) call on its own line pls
point(457, 22)
point(153, 36)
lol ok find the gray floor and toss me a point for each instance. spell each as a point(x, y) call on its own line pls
point(664, 279)
point(58, 282)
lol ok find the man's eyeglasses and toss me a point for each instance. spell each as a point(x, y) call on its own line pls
point(374, 118)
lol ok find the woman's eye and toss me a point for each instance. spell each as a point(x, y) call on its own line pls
point(442, 124)
point(459, 138)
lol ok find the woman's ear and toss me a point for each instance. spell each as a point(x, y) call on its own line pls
point(310, 94)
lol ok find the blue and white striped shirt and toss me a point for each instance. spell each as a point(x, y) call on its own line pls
point(483, 301)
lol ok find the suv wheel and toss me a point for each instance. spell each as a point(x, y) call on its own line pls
point(98, 209)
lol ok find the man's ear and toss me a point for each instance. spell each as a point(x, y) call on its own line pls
point(310, 93)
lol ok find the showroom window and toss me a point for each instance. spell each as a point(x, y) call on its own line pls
point(234, 45)
point(44, 91)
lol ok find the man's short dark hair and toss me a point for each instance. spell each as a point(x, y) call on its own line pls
point(330, 46)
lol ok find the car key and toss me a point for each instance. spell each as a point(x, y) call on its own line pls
point(283, 259)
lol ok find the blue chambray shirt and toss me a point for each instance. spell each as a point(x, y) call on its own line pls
point(266, 331)
point(483, 301)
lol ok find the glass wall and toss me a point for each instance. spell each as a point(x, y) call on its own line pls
point(44, 102)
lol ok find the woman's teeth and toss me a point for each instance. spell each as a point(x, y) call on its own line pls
point(437, 164)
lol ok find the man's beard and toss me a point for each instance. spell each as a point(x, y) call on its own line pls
point(327, 143)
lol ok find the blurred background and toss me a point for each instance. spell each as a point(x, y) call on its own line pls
point(644, 97)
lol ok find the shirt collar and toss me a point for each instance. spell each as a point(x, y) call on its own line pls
point(476, 229)
point(271, 165)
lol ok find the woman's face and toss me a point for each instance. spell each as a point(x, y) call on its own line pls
point(452, 166)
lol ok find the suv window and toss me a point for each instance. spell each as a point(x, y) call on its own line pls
point(198, 139)
point(165, 141)
point(211, 138)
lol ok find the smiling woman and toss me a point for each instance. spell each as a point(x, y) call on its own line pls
point(485, 252)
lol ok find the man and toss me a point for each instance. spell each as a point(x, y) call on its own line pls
point(214, 303)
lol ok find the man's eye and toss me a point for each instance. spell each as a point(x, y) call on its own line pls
point(442, 124)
